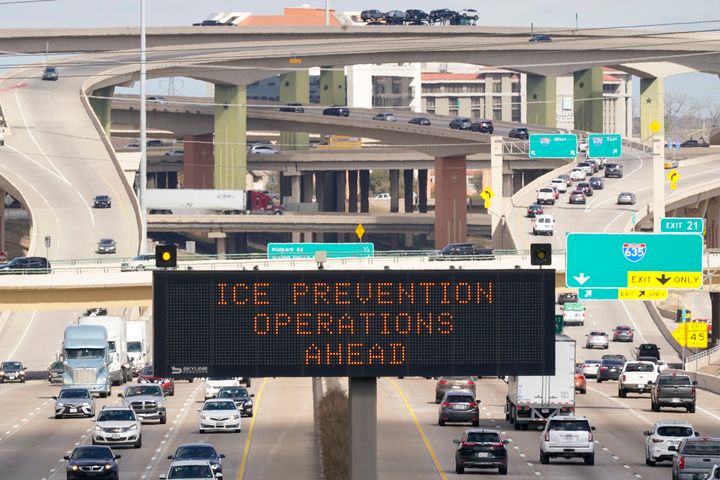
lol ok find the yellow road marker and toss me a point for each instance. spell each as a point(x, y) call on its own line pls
point(248, 440)
point(419, 428)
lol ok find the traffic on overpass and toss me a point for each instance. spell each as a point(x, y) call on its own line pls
point(359, 244)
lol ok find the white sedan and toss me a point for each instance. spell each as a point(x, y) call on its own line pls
point(596, 339)
point(219, 416)
point(212, 385)
point(590, 368)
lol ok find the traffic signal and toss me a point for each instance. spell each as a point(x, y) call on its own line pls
point(540, 254)
point(165, 256)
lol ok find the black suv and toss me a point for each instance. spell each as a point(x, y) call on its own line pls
point(483, 126)
point(460, 123)
point(613, 170)
point(648, 350)
point(92, 461)
point(610, 369)
point(416, 17)
point(371, 15)
point(337, 111)
point(102, 201)
point(26, 265)
point(481, 448)
point(442, 15)
point(519, 133)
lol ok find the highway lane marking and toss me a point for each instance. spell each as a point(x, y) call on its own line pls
point(642, 337)
point(251, 428)
point(603, 202)
point(27, 328)
point(419, 428)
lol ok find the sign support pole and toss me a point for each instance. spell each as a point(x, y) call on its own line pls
point(363, 428)
point(658, 159)
point(496, 178)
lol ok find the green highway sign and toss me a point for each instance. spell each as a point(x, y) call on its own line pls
point(622, 294)
point(634, 260)
point(307, 250)
point(608, 145)
point(597, 294)
point(682, 225)
point(553, 145)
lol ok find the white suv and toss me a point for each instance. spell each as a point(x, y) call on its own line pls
point(543, 225)
point(117, 425)
point(567, 437)
point(560, 184)
point(664, 434)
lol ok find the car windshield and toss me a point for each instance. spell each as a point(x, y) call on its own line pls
point(639, 367)
point(674, 431)
point(195, 451)
point(612, 362)
point(674, 381)
point(148, 371)
point(11, 366)
point(483, 437)
point(570, 425)
point(153, 390)
point(621, 328)
point(597, 334)
point(589, 363)
point(232, 393)
point(134, 347)
point(74, 393)
point(56, 365)
point(190, 471)
point(702, 448)
point(219, 406)
point(89, 453)
point(460, 399)
point(116, 416)
point(84, 353)
point(106, 240)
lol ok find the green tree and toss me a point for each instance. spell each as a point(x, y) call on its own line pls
point(379, 181)
point(477, 182)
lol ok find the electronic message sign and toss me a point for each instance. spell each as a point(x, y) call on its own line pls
point(353, 323)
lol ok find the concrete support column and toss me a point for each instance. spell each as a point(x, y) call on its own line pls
point(320, 190)
point(362, 396)
point(588, 94)
point(408, 190)
point(340, 194)
point(307, 187)
point(422, 190)
point(658, 184)
point(103, 106)
point(332, 86)
point(284, 185)
point(2, 219)
point(715, 309)
point(652, 107)
point(364, 191)
point(230, 137)
point(353, 191)
point(295, 88)
point(542, 100)
point(450, 203)
point(238, 242)
point(497, 219)
point(220, 242)
point(394, 191)
point(198, 161)
point(295, 189)
point(712, 223)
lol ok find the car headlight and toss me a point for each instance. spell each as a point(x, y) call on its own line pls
point(249, 403)
point(2, 372)
point(108, 466)
point(98, 428)
point(59, 404)
point(204, 417)
point(22, 372)
point(215, 466)
point(74, 467)
point(133, 427)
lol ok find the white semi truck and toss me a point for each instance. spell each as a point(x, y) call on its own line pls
point(119, 365)
point(193, 202)
point(137, 344)
point(86, 360)
point(534, 399)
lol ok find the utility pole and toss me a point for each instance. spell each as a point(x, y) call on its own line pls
point(143, 134)
point(327, 13)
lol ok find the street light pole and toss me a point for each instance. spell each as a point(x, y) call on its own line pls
point(143, 134)
point(327, 13)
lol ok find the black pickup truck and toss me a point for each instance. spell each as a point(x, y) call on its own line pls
point(673, 389)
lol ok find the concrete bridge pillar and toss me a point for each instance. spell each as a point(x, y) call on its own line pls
point(652, 107)
point(332, 86)
point(408, 190)
point(541, 100)
point(364, 191)
point(237, 242)
point(220, 242)
point(230, 137)
point(422, 190)
point(353, 191)
point(450, 203)
point(3, 193)
point(103, 106)
point(198, 161)
point(295, 88)
point(712, 223)
point(394, 191)
point(321, 191)
point(340, 193)
point(306, 184)
point(588, 93)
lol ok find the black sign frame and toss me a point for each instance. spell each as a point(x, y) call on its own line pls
point(192, 338)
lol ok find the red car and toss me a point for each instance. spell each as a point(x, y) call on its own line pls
point(166, 384)
point(3, 256)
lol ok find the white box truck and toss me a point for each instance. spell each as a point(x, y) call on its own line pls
point(195, 202)
point(534, 399)
point(137, 344)
point(119, 365)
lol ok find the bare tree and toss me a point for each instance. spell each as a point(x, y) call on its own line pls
point(675, 105)
point(712, 109)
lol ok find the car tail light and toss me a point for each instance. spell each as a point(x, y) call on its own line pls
point(443, 382)
point(467, 444)
point(693, 392)
point(497, 445)
point(602, 369)
point(590, 437)
point(659, 391)
point(446, 404)
point(624, 378)
point(547, 436)
point(681, 462)
point(657, 440)
point(470, 382)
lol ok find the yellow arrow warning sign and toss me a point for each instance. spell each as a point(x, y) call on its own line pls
point(641, 294)
point(665, 279)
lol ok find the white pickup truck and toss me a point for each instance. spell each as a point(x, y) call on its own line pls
point(637, 377)
point(546, 195)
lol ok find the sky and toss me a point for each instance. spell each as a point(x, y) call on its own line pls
point(542, 13)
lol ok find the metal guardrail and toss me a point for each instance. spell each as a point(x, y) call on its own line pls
point(704, 353)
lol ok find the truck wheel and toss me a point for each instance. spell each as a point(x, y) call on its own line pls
point(138, 444)
point(691, 408)
point(459, 469)
point(649, 461)
point(441, 422)
point(622, 393)
point(590, 459)
point(544, 459)
point(599, 380)
point(163, 420)
point(476, 423)
point(525, 426)
point(655, 407)
point(502, 470)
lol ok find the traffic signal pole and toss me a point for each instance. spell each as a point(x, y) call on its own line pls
point(362, 397)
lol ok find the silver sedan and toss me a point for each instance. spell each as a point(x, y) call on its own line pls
point(626, 198)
